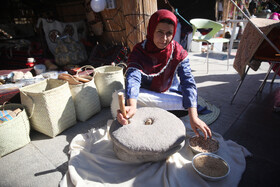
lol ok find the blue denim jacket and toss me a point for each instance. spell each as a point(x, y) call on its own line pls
point(183, 83)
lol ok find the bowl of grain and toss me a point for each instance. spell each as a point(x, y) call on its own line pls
point(198, 144)
point(210, 166)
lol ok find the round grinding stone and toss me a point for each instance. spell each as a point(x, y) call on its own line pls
point(153, 134)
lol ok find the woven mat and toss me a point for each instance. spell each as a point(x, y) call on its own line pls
point(211, 117)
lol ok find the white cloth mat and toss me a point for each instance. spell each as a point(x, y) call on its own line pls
point(93, 163)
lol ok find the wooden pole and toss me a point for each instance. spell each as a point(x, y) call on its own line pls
point(234, 13)
point(226, 9)
point(216, 10)
point(121, 103)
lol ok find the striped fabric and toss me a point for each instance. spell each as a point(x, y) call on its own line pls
point(5, 116)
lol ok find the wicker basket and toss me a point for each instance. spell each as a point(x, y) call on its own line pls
point(86, 98)
point(49, 105)
point(14, 134)
point(108, 79)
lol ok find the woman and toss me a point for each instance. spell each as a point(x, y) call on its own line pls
point(155, 63)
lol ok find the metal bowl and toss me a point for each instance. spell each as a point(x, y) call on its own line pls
point(205, 164)
point(196, 151)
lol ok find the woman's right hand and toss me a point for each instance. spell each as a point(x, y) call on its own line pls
point(130, 111)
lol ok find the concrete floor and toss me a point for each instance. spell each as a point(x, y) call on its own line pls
point(257, 128)
point(249, 121)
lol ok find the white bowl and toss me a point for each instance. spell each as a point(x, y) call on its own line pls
point(219, 162)
point(196, 151)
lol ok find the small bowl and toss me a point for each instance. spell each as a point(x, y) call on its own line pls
point(39, 69)
point(210, 166)
point(196, 148)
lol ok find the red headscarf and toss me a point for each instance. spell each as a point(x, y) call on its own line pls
point(158, 63)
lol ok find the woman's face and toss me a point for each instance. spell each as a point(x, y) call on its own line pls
point(163, 35)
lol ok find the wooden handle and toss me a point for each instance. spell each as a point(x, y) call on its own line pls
point(121, 103)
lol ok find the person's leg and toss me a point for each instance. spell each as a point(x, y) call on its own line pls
point(169, 101)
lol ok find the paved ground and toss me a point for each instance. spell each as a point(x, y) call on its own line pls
point(249, 121)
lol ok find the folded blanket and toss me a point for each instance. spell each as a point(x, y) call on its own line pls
point(7, 115)
point(94, 163)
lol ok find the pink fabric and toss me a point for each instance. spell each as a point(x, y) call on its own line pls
point(275, 16)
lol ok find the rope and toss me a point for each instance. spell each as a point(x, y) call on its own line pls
point(135, 28)
point(113, 17)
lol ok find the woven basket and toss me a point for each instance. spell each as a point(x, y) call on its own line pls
point(108, 79)
point(86, 98)
point(49, 105)
point(14, 134)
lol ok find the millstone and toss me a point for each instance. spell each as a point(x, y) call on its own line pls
point(153, 134)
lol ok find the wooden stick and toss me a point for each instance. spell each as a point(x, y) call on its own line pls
point(121, 103)
point(234, 12)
